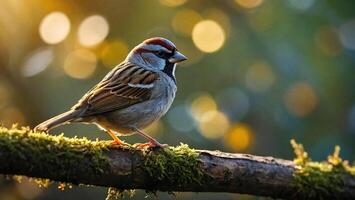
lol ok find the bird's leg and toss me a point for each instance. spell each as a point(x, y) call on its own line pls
point(152, 142)
point(117, 140)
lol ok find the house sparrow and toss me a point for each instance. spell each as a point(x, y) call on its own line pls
point(130, 97)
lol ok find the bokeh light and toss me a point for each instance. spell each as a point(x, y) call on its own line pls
point(80, 64)
point(180, 119)
point(208, 36)
point(114, 52)
point(172, 3)
point(347, 32)
point(234, 103)
point(154, 129)
point(301, 99)
point(54, 27)
point(213, 124)
point(10, 115)
point(301, 4)
point(191, 51)
point(327, 40)
point(239, 137)
point(185, 20)
point(201, 105)
point(93, 30)
point(249, 4)
point(220, 17)
point(259, 77)
point(38, 61)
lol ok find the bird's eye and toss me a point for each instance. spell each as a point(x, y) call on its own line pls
point(161, 53)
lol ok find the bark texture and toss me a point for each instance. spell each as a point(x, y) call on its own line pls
point(80, 161)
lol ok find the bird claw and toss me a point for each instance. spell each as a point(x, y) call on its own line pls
point(149, 145)
point(119, 143)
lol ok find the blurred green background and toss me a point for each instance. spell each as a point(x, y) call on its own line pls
point(259, 73)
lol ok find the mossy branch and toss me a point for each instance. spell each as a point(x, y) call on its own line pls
point(81, 161)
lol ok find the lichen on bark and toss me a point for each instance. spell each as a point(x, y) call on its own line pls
point(320, 180)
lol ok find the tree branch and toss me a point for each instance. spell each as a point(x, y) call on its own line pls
point(81, 161)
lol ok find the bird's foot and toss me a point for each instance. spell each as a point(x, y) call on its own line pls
point(119, 142)
point(149, 145)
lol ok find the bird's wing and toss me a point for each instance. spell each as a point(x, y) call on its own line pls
point(124, 86)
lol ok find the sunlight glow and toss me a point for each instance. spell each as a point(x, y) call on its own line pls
point(202, 105)
point(239, 138)
point(10, 114)
point(93, 30)
point(4, 95)
point(54, 28)
point(114, 52)
point(185, 20)
point(214, 124)
point(38, 62)
point(172, 3)
point(80, 64)
point(249, 4)
point(208, 36)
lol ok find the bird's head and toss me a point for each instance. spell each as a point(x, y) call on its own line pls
point(156, 53)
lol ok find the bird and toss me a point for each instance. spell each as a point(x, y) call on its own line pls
point(133, 95)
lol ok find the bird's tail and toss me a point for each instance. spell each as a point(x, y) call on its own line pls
point(56, 121)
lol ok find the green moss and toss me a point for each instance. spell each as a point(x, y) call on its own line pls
point(39, 153)
point(173, 165)
point(114, 193)
point(320, 180)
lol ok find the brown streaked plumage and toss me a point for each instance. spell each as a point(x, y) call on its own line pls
point(114, 91)
point(133, 95)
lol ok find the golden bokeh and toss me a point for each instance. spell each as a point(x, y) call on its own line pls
point(259, 77)
point(185, 20)
point(172, 3)
point(327, 40)
point(4, 94)
point(190, 50)
point(249, 4)
point(54, 27)
point(202, 105)
point(208, 36)
point(213, 124)
point(38, 61)
point(93, 30)
point(301, 99)
point(114, 52)
point(80, 64)
point(10, 115)
point(220, 17)
point(239, 138)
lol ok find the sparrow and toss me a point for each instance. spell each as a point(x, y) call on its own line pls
point(131, 96)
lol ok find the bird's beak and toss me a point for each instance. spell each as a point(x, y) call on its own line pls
point(177, 57)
